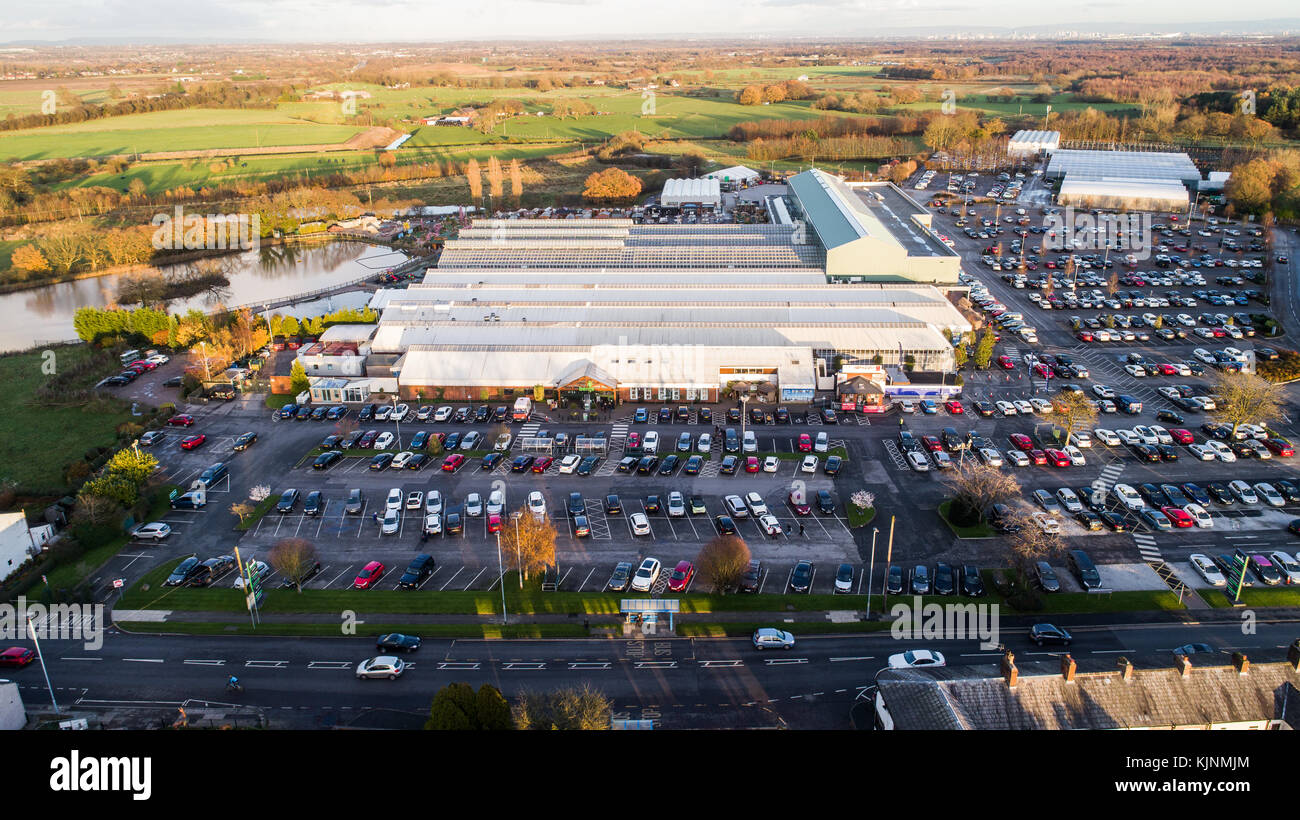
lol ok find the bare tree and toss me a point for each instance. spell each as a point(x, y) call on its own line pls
point(294, 558)
point(574, 708)
point(528, 543)
point(722, 562)
point(1244, 398)
point(1073, 411)
point(1030, 543)
point(975, 486)
point(242, 509)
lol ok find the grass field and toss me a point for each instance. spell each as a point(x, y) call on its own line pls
point(191, 129)
point(43, 439)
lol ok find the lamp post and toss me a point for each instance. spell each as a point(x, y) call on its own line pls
point(31, 630)
point(871, 573)
point(501, 580)
point(399, 425)
point(519, 569)
point(206, 373)
point(744, 416)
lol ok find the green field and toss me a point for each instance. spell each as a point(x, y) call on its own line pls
point(188, 130)
point(45, 439)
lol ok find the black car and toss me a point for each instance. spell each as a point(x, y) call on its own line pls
point(499, 414)
point(1113, 521)
point(1088, 519)
point(665, 415)
point(1145, 452)
point(801, 578)
point(211, 571)
point(350, 440)
point(669, 464)
point(620, 578)
point(1151, 494)
point(824, 502)
point(397, 642)
point(418, 461)
point(183, 571)
point(704, 415)
point(729, 464)
point(1200, 496)
point(627, 463)
point(289, 583)
point(576, 505)
point(244, 441)
point(828, 416)
point(421, 567)
point(1084, 569)
point(1046, 577)
point(944, 583)
point(483, 413)
point(329, 442)
point(647, 465)
point(491, 460)
point(920, 580)
point(461, 416)
point(832, 466)
point(521, 463)
point(1169, 416)
point(753, 577)
point(303, 413)
point(612, 505)
point(1046, 633)
point(288, 499)
point(367, 413)
point(782, 415)
point(381, 461)
point(894, 581)
point(1002, 519)
point(984, 408)
point(1289, 490)
point(453, 524)
point(652, 504)
point(725, 525)
point(733, 415)
point(324, 460)
point(319, 413)
point(972, 584)
point(1219, 492)
point(315, 503)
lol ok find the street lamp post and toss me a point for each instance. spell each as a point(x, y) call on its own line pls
point(871, 573)
point(31, 630)
point(207, 374)
point(744, 414)
point(501, 580)
point(399, 426)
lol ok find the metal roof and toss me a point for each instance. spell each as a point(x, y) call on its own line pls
point(1081, 164)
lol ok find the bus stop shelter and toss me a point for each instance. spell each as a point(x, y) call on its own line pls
point(646, 612)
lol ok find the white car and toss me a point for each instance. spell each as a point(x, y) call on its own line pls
point(394, 500)
point(1023, 407)
point(918, 461)
point(1081, 438)
point(1162, 435)
point(907, 406)
point(1146, 435)
point(1253, 430)
point(991, 457)
point(433, 525)
point(156, 531)
point(433, 502)
point(399, 413)
point(442, 414)
point(1206, 402)
point(1202, 452)
point(705, 443)
point(1103, 392)
point(754, 502)
point(401, 459)
point(1006, 408)
point(383, 666)
point(414, 500)
point(770, 524)
point(941, 460)
point(771, 464)
point(1041, 406)
point(821, 443)
point(1221, 451)
point(1128, 496)
point(474, 505)
point(676, 505)
point(537, 504)
point(809, 464)
point(502, 442)
point(1169, 392)
point(748, 444)
point(1202, 355)
point(1135, 370)
point(1077, 459)
point(1243, 492)
point(470, 441)
point(1129, 437)
point(650, 443)
point(391, 522)
point(496, 502)
point(640, 526)
point(569, 463)
point(1200, 516)
point(1107, 437)
point(1207, 570)
point(384, 441)
point(1046, 523)
point(1069, 500)
point(917, 658)
point(158, 358)
point(1287, 565)
point(1270, 494)
point(1018, 458)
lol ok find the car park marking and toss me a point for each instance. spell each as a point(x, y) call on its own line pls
point(452, 578)
point(476, 577)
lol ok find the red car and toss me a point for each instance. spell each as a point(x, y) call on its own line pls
point(1005, 363)
point(367, 439)
point(141, 363)
point(932, 443)
point(369, 576)
point(1182, 436)
point(1178, 516)
point(1086, 336)
point(18, 656)
point(633, 440)
point(953, 407)
point(1168, 370)
point(452, 463)
point(805, 443)
point(1021, 442)
point(1279, 446)
point(798, 504)
point(1038, 456)
point(190, 442)
point(751, 464)
point(542, 463)
point(494, 523)
point(183, 420)
point(1042, 370)
point(1058, 458)
point(681, 576)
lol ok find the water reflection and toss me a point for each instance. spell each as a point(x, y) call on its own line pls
point(268, 273)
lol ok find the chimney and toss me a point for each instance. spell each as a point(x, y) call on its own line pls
point(1242, 663)
point(1009, 670)
point(1125, 669)
point(1293, 655)
point(1184, 665)
point(1068, 667)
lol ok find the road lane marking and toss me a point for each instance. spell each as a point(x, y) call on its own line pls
point(468, 667)
point(712, 664)
point(143, 660)
point(656, 665)
point(525, 665)
point(266, 664)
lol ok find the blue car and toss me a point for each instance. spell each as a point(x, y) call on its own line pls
point(928, 407)
point(642, 416)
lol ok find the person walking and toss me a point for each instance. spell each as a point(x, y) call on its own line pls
point(801, 529)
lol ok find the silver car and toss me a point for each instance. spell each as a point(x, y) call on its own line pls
point(383, 666)
point(768, 638)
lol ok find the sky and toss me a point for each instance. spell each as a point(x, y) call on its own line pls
point(432, 20)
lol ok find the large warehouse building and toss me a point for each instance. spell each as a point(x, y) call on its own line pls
point(613, 309)
point(1033, 143)
point(1135, 180)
